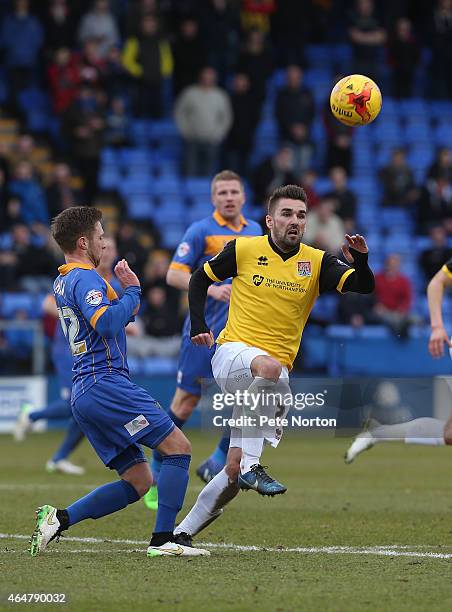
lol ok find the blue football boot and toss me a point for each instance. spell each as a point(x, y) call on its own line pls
point(258, 480)
point(209, 469)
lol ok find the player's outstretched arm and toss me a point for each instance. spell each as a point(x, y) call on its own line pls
point(435, 292)
point(356, 253)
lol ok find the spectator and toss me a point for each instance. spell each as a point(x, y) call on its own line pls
point(60, 26)
point(294, 106)
point(136, 10)
point(435, 204)
point(344, 197)
point(256, 14)
point(442, 166)
point(117, 124)
point(189, 55)
point(273, 172)
point(64, 79)
point(130, 248)
point(12, 214)
point(339, 140)
point(394, 295)
point(204, 116)
point(59, 193)
point(99, 24)
point(92, 65)
point(442, 49)
point(21, 38)
point(432, 259)
point(356, 309)
point(404, 55)
point(399, 188)
point(368, 38)
point(26, 187)
point(241, 135)
point(308, 180)
point(291, 27)
point(83, 126)
point(221, 34)
point(148, 60)
point(116, 77)
point(256, 62)
point(324, 229)
point(26, 266)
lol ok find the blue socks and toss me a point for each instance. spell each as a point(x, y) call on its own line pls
point(156, 462)
point(220, 453)
point(172, 486)
point(59, 409)
point(104, 500)
point(73, 437)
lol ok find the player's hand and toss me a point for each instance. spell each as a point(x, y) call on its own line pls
point(204, 340)
point(438, 337)
point(125, 275)
point(222, 293)
point(355, 241)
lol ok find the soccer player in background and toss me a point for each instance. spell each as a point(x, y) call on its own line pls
point(426, 430)
point(276, 281)
point(115, 415)
point(201, 241)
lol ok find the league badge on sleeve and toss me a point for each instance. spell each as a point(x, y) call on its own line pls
point(304, 268)
point(94, 297)
point(183, 249)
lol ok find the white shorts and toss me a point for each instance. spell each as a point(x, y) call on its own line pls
point(231, 367)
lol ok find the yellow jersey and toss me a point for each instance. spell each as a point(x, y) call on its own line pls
point(273, 292)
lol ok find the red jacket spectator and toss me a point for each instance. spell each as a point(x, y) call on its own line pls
point(64, 79)
point(393, 289)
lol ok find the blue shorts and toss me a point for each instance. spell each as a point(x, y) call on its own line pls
point(115, 414)
point(194, 365)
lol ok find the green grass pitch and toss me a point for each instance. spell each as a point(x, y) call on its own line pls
point(376, 535)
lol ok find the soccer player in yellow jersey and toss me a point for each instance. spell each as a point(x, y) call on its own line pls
point(276, 280)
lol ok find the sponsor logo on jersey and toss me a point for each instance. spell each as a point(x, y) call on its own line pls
point(257, 279)
point(136, 424)
point(183, 249)
point(94, 297)
point(262, 261)
point(341, 262)
point(304, 268)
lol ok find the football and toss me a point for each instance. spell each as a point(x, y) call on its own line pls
point(356, 100)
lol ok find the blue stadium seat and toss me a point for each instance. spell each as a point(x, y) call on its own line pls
point(166, 186)
point(318, 56)
point(197, 187)
point(443, 134)
point(109, 177)
point(10, 303)
point(396, 219)
point(140, 206)
point(171, 209)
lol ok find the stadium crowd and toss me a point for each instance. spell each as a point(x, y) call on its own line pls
point(133, 105)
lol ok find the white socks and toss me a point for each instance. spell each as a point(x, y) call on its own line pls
point(209, 505)
point(253, 436)
point(425, 430)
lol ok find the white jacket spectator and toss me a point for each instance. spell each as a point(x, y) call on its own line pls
point(325, 230)
point(203, 112)
point(100, 24)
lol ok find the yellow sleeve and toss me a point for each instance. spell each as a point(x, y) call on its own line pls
point(166, 59)
point(210, 274)
point(446, 271)
point(343, 279)
point(129, 57)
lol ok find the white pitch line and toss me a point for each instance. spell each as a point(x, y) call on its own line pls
point(386, 550)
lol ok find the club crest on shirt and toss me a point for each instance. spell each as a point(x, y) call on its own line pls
point(94, 297)
point(304, 268)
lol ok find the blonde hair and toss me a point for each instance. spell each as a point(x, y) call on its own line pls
point(226, 175)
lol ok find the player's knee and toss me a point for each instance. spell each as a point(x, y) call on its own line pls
point(143, 486)
point(267, 368)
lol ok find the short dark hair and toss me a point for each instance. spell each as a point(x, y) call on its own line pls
point(73, 223)
point(290, 192)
